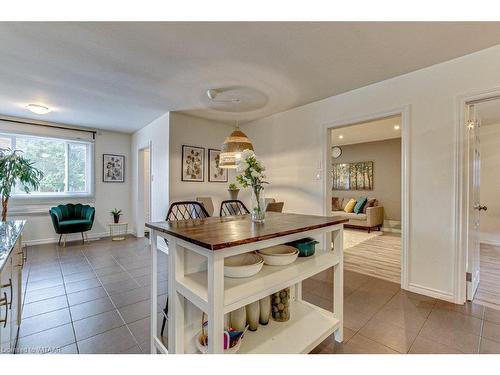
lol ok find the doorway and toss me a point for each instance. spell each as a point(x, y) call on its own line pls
point(482, 120)
point(144, 191)
point(366, 161)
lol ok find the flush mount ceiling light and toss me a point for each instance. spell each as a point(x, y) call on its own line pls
point(233, 146)
point(396, 127)
point(341, 136)
point(38, 109)
point(213, 93)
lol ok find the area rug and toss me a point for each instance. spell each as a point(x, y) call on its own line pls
point(376, 254)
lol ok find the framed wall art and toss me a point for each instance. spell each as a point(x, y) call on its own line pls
point(113, 168)
point(353, 176)
point(193, 164)
point(215, 173)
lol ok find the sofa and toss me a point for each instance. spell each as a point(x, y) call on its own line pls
point(370, 218)
point(72, 218)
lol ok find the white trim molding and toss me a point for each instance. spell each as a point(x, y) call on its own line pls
point(460, 214)
point(71, 237)
point(404, 112)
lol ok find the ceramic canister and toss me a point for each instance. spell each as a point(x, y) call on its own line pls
point(253, 312)
point(239, 319)
point(265, 310)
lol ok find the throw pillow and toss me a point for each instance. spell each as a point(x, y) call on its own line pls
point(370, 203)
point(337, 204)
point(350, 205)
point(361, 202)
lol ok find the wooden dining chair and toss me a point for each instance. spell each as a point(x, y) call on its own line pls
point(184, 210)
point(233, 207)
point(275, 207)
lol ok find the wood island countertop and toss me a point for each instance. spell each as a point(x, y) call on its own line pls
point(215, 233)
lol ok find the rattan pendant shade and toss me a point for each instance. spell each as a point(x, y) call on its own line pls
point(233, 146)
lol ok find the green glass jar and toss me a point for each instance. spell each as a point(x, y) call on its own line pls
point(281, 305)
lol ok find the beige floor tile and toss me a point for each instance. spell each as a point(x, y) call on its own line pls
point(94, 307)
point(356, 316)
point(389, 335)
point(468, 308)
point(47, 341)
point(45, 306)
point(455, 321)
point(491, 331)
point(115, 341)
point(362, 345)
point(492, 315)
point(489, 347)
point(86, 295)
point(97, 324)
point(424, 346)
point(43, 322)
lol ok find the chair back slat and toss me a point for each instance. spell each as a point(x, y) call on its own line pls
point(233, 208)
point(186, 210)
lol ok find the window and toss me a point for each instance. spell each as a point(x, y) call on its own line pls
point(66, 164)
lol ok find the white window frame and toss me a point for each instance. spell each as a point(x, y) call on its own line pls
point(35, 197)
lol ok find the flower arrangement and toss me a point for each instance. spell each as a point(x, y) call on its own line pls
point(251, 174)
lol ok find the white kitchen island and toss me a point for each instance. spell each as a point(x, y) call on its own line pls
point(196, 281)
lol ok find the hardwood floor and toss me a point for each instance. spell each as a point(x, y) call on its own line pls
point(375, 254)
point(488, 292)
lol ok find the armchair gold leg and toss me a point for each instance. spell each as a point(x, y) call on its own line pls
point(64, 243)
point(59, 243)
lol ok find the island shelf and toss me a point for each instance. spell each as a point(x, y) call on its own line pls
point(208, 290)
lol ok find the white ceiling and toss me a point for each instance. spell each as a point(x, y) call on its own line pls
point(121, 76)
point(371, 131)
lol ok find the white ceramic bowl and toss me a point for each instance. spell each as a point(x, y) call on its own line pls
point(280, 255)
point(242, 265)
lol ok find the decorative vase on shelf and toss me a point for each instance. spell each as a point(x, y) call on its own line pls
point(280, 305)
point(238, 319)
point(253, 314)
point(258, 206)
point(233, 194)
point(265, 310)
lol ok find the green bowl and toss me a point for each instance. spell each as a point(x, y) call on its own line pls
point(306, 246)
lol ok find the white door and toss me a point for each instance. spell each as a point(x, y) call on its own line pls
point(474, 204)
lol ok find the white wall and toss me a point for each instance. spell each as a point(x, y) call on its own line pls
point(490, 183)
point(194, 131)
point(39, 227)
point(291, 145)
point(157, 132)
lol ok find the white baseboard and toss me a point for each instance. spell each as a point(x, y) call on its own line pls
point(430, 292)
point(490, 239)
point(70, 237)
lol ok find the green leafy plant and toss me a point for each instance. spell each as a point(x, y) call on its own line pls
point(251, 174)
point(116, 215)
point(16, 169)
point(233, 187)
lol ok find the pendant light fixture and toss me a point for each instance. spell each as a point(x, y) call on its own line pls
point(233, 146)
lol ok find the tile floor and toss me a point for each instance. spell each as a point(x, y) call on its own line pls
point(95, 299)
point(91, 298)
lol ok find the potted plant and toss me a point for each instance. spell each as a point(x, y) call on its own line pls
point(116, 215)
point(14, 169)
point(233, 191)
point(252, 174)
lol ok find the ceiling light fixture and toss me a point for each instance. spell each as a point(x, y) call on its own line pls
point(38, 109)
point(213, 93)
point(341, 136)
point(396, 127)
point(233, 146)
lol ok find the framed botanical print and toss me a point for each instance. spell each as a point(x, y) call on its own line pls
point(113, 168)
point(215, 172)
point(193, 164)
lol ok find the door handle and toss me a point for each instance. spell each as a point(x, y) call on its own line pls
point(5, 286)
point(3, 301)
point(479, 207)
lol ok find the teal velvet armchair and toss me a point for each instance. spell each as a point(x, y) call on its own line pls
point(72, 218)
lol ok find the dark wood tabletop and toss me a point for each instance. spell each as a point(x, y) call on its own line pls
point(215, 233)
